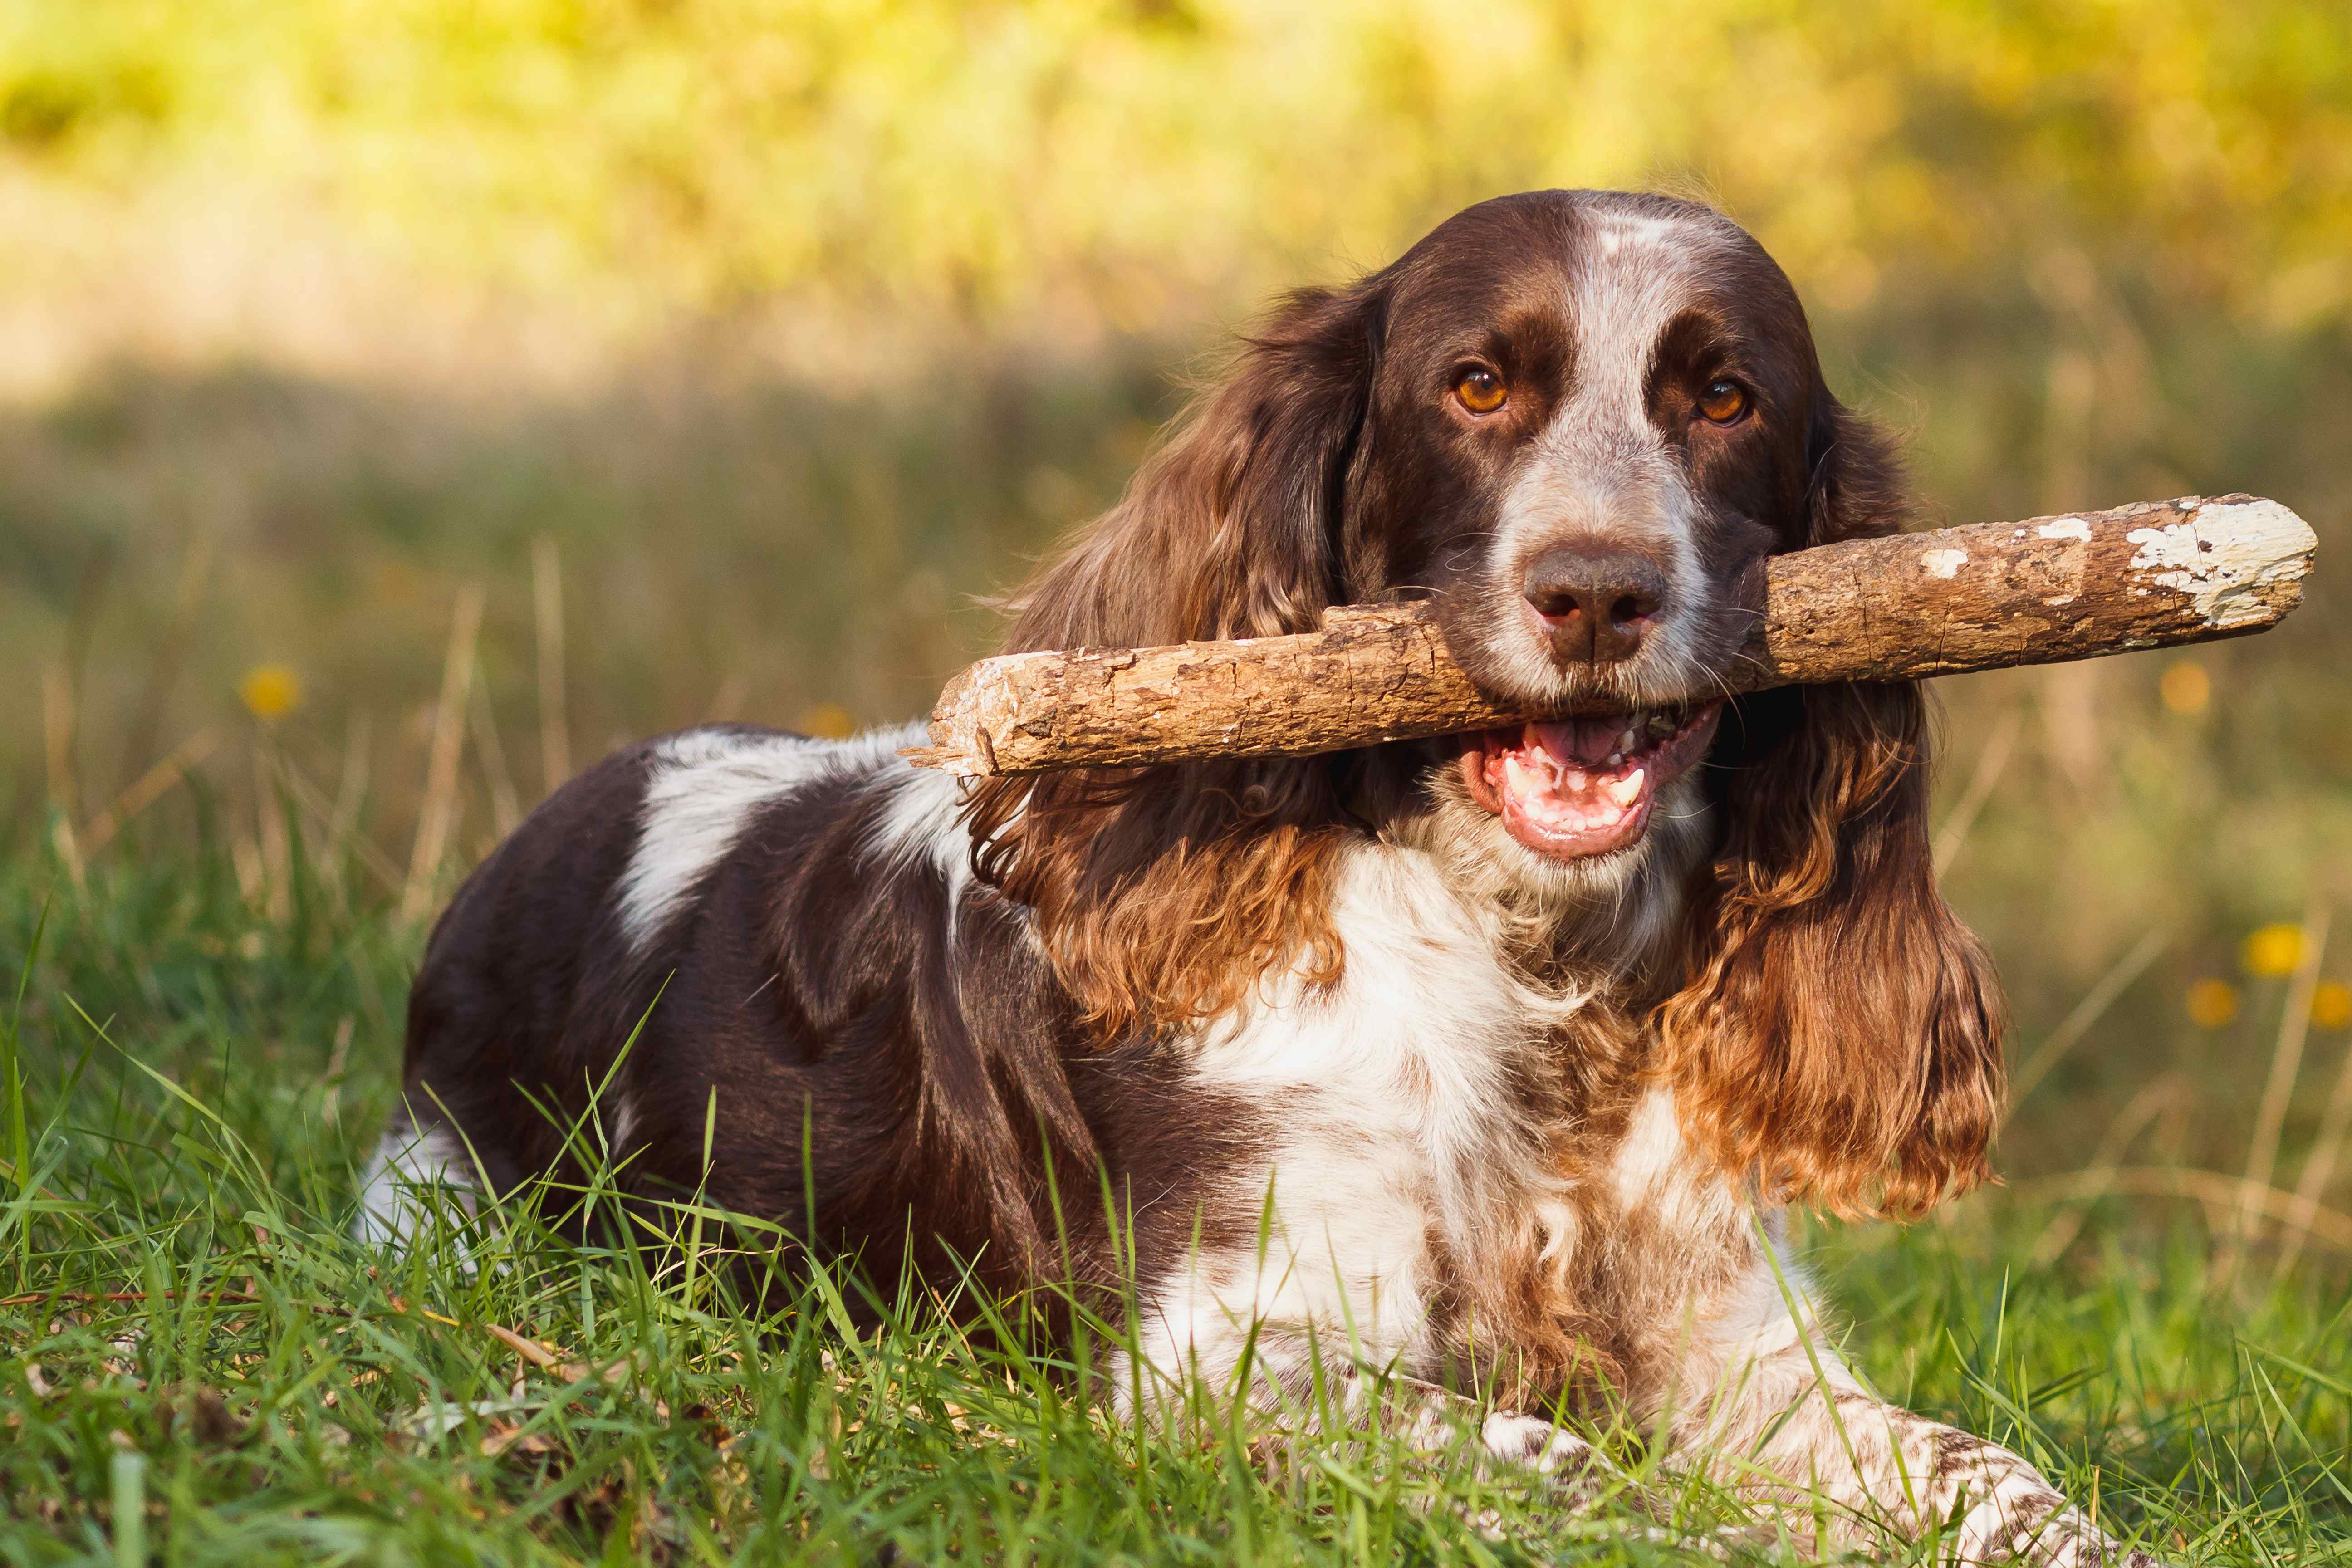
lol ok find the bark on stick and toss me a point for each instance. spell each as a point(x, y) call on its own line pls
point(1986, 596)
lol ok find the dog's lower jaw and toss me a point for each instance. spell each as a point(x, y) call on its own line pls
point(1614, 912)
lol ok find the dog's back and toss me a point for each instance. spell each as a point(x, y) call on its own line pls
point(767, 950)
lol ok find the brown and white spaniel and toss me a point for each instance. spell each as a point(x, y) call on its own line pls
point(1478, 1065)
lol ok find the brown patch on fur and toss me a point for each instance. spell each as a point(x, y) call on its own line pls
point(1839, 1038)
point(1162, 904)
point(1538, 1319)
point(1161, 895)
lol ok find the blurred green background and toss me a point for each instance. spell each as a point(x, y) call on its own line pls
point(770, 335)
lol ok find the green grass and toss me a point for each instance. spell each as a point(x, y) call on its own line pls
point(267, 1390)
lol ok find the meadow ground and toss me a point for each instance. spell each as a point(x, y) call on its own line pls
point(202, 1368)
point(400, 405)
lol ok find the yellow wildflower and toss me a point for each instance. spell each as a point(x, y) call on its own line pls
point(2273, 950)
point(270, 691)
point(2212, 1004)
point(2331, 1004)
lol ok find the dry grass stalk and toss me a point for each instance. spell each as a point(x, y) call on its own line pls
point(146, 790)
point(2138, 1112)
point(338, 831)
point(342, 817)
point(2327, 1150)
point(335, 1059)
point(547, 604)
point(435, 817)
point(2087, 1012)
point(504, 811)
point(1991, 762)
point(270, 822)
point(2222, 1194)
point(2287, 1064)
point(58, 748)
point(171, 653)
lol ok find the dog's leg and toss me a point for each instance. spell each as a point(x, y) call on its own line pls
point(1305, 1385)
point(1770, 1411)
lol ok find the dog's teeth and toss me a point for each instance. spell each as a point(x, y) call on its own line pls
point(1625, 792)
point(1616, 759)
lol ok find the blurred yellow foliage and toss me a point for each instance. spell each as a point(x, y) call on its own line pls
point(270, 691)
point(2331, 1004)
point(1030, 161)
point(2273, 950)
point(2186, 688)
point(829, 721)
point(2212, 1004)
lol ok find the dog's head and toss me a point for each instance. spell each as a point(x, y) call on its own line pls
point(1578, 421)
point(1592, 418)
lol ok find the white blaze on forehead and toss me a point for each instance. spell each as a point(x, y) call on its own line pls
point(1625, 288)
point(1600, 464)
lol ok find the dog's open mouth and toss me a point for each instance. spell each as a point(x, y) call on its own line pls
point(1584, 787)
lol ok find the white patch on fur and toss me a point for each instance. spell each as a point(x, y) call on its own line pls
point(705, 785)
point(1651, 1151)
point(1600, 472)
point(620, 1125)
point(408, 1160)
point(1391, 1088)
point(920, 823)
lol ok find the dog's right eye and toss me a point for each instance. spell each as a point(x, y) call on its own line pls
point(1480, 390)
point(1723, 402)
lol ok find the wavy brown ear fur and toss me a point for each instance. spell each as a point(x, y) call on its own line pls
point(1839, 1038)
point(1162, 894)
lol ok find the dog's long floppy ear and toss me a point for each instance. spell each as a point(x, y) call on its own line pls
point(1839, 1035)
point(1163, 894)
point(1231, 528)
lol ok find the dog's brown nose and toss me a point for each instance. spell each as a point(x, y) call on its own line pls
point(1596, 605)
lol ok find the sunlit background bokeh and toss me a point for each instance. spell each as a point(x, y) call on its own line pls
point(401, 403)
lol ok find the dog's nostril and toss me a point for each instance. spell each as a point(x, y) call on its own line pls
point(1555, 603)
point(1630, 607)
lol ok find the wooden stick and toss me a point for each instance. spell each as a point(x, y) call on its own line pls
point(1909, 605)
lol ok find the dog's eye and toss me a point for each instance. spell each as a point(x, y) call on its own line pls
point(1481, 391)
point(1723, 402)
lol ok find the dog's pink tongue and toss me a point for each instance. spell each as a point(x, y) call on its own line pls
point(1577, 742)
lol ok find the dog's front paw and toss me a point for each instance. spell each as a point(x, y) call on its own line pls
point(1567, 1462)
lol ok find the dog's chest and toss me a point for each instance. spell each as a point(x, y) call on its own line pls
point(1414, 1124)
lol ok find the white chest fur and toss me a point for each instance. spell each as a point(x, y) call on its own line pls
point(1407, 1121)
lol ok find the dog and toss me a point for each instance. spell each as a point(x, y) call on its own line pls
point(1463, 1080)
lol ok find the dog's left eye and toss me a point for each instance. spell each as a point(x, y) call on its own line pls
point(1481, 391)
point(1723, 402)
